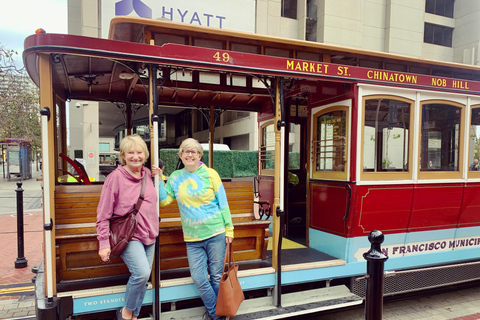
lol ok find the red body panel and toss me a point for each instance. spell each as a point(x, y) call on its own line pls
point(385, 208)
point(436, 207)
point(328, 206)
point(470, 214)
point(394, 208)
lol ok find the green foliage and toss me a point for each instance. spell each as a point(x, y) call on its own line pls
point(170, 159)
point(19, 102)
point(228, 164)
point(386, 163)
point(223, 163)
point(269, 160)
point(245, 163)
point(294, 160)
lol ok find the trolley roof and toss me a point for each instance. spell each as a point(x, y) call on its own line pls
point(114, 70)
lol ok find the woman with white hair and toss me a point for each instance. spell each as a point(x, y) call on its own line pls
point(206, 220)
point(119, 195)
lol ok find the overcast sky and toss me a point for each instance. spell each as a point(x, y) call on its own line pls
point(20, 18)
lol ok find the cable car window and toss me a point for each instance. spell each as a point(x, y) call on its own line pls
point(267, 149)
point(440, 137)
point(329, 145)
point(474, 139)
point(386, 135)
point(330, 142)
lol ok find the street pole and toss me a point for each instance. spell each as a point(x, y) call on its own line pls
point(375, 269)
point(21, 261)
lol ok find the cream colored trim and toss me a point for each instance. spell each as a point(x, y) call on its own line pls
point(416, 136)
point(313, 265)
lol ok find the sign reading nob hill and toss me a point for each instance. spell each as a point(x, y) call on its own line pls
point(236, 15)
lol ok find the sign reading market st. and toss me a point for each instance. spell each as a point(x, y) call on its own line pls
point(374, 74)
point(269, 64)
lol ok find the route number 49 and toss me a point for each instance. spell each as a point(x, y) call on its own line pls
point(225, 57)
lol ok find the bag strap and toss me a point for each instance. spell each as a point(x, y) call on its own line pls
point(229, 261)
point(141, 197)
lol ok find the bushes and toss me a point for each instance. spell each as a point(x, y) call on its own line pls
point(228, 164)
point(245, 163)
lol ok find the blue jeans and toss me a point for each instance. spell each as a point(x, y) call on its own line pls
point(138, 258)
point(208, 253)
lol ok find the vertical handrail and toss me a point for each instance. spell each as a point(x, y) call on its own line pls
point(154, 143)
point(48, 222)
point(154, 140)
point(280, 175)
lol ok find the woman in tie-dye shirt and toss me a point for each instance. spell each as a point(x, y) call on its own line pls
point(206, 220)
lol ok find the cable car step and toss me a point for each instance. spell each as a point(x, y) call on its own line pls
point(293, 304)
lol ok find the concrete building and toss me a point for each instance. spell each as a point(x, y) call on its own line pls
point(445, 30)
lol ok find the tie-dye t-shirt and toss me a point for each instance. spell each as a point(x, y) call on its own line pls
point(202, 203)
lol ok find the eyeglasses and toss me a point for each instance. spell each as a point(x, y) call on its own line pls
point(189, 152)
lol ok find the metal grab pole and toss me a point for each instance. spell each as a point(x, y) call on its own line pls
point(375, 267)
point(157, 313)
point(47, 219)
point(21, 261)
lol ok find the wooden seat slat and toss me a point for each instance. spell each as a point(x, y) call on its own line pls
point(76, 243)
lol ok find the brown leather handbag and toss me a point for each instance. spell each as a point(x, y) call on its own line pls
point(123, 228)
point(230, 293)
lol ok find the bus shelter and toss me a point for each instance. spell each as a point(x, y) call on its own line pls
point(16, 159)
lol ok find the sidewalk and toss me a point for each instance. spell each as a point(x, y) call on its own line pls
point(16, 287)
point(32, 194)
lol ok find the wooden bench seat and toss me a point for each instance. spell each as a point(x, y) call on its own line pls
point(76, 243)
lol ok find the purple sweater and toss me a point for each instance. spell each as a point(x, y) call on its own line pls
point(119, 194)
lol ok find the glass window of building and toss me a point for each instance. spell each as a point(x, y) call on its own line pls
point(289, 9)
point(439, 35)
point(440, 7)
point(104, 147)
point(387, 138)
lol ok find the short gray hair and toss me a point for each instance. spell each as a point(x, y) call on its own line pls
point(189, 144)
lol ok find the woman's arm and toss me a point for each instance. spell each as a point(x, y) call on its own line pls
point(105, 211)
point(163, 196)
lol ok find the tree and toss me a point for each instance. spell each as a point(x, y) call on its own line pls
point(19, 102)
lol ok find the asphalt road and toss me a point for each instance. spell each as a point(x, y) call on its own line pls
point(32, 193)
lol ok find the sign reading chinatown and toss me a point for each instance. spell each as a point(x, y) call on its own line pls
point(232, 61)
point(297, 68)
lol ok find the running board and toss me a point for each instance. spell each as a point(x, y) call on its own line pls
point(293, 304)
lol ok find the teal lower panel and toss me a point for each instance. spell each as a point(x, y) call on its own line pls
point(167, 294)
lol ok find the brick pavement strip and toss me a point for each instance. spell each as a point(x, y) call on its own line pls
point(11, 279)
point(33, 248)
point(17, 306)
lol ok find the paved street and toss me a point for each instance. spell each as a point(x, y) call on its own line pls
point(453, 305)
point(32, 193)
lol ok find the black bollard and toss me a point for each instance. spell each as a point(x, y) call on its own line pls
point(375, 267)
point(21, 261)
